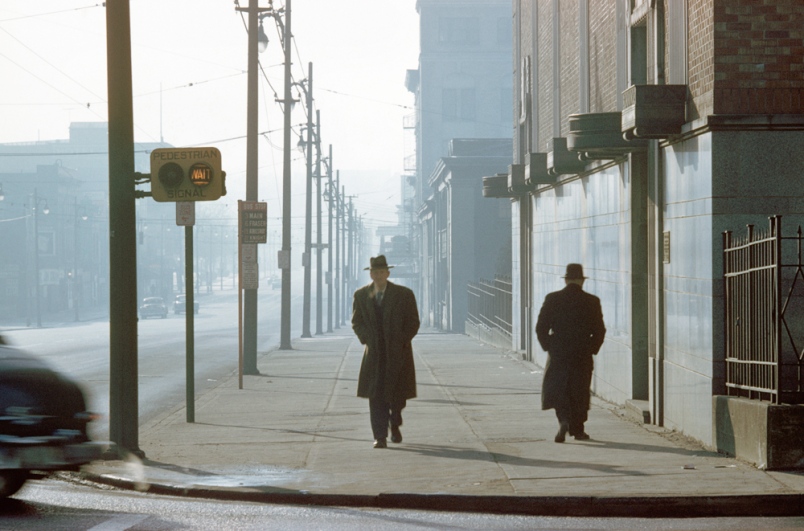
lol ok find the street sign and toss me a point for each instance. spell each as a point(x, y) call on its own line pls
point(248, 253)
point(250, 276)
point(187, 174)
point(185, 214)
point(253, 221)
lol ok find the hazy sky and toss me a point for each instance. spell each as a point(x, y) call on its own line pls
point(189, 82)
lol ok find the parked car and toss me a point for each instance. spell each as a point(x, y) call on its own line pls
point(153, 307)
point(276, 283)
point(180, 304)
point(43, 421)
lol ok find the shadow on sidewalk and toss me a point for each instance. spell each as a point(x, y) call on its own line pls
point(456, 453)
point(664, 450)
point(513, 460)
point(320, 434)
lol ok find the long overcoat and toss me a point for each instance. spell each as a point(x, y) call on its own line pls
point(400, 323)
point(570, 328)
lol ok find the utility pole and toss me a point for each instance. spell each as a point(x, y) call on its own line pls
point(337, 201)
point(329, 243)
point(358, 246)
point(284, 262)
point(345, 255)
point(318, 245)
point(252, 177)
point(351, 267)
point(123, 368)
point(309, 206)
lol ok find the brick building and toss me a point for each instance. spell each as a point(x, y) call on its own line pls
point(645, 129)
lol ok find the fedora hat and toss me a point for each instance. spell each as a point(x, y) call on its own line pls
point(574, 272)
point(378, 262)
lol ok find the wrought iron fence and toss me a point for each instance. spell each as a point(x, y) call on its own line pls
point(764, 314)
point(490, 313)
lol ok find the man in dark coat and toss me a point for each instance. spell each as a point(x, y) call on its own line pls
point(385, 319)
point(570, 328)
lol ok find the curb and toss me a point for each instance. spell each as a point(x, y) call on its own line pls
point(769, 505)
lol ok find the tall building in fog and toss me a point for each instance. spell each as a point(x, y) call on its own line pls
point(463, 90)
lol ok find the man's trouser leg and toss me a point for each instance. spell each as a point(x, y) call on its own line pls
point(396, 413)
point(579, 396)
point(563, 414)
point(380, 412)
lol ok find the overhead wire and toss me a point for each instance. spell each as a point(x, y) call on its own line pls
point(49, 84)
point(54, 67)
point(53, 12)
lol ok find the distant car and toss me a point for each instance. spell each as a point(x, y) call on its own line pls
point(276, 283)
point(153, 307)
point(43, 421)
point(180, 304)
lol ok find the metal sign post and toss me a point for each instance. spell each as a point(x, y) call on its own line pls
point(252, 229)
point(185, 216)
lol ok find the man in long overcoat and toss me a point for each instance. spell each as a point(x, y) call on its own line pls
point(570, 328)
point(385, 319)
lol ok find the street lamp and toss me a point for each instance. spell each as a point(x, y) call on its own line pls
point(45, 210)
point(262, 38)
point(76, 287)
point(250, 303)
point(257, 42)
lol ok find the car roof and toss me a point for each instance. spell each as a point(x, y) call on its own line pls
point(14, 358)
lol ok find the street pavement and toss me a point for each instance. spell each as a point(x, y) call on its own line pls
point(475, 439)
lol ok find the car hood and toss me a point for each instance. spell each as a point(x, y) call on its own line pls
point(29, 384)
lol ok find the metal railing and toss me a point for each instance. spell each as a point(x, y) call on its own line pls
point(489, 318)
point(764, 314)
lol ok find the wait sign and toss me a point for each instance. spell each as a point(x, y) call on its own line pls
point(253, 221)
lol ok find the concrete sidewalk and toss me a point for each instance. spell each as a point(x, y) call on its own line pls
point(475, 439)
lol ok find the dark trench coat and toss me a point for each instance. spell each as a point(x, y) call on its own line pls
point(400, 324)
point(570, 328)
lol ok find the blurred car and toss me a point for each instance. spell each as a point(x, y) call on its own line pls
point(43, 421)
point(153, 307)
point(180, 304)
point(276, 283)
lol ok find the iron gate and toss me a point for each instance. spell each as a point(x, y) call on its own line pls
point(764, 314)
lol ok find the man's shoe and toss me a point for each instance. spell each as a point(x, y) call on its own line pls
point(583, 436)
point(562, 432)
point(396, 435)
point(380, 443)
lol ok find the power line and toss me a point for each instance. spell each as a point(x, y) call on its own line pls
point(339, 93)
point(49, 84)
point(59, 70)
point(53, 12)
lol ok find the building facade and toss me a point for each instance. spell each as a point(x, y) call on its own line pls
point(468, 237)
point(462, 89)
point(54, 230)
point(645, 129)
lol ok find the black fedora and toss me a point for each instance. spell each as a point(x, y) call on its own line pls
point(378, 262)
point(574, 272)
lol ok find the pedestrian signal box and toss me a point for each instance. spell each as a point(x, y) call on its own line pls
point(187, 174)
